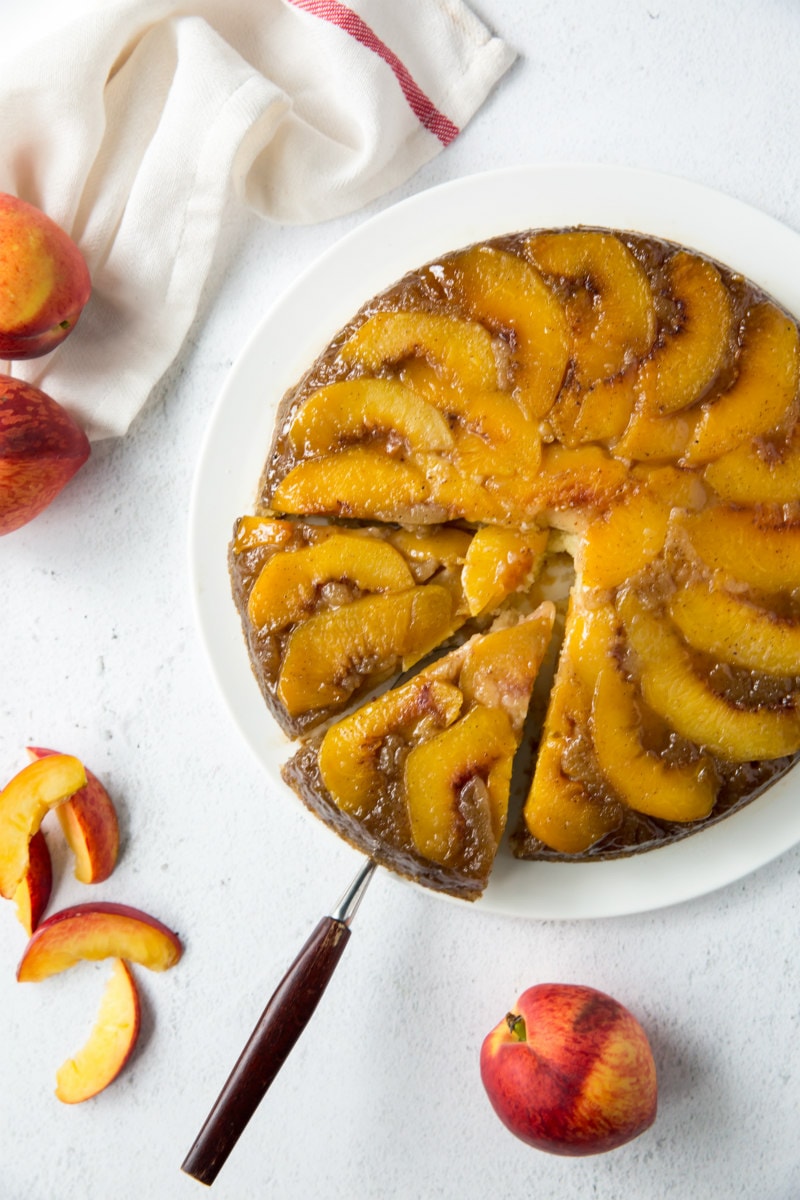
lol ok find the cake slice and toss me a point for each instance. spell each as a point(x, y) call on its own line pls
point(419, 778)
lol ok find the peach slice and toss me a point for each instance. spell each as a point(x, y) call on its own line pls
point(562, 809)
point(333, 653)
point(752, 547)
point(510, 296)
point(610, 306)
point(252, 531)
point(425, 550)
point(624, 540)
point(735, 630)
point(500, 561)
point(89, 823)
point(359, 410)
point(761, 397)
point(642, 779)
point(110, 1043)
point(671, 688)
point(33, 891)
point(350, 751)
point(649, 438)
point(599, 412)
point(501, 667)
point(32, 792)
point(288, 586)
point(461, 350)
point(585, 477)
point(356, 482)
point(97, 931)
point(479, 747)
point(758, 472)
point(688, 357)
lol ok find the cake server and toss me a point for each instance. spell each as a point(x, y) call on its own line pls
point(288, 1011)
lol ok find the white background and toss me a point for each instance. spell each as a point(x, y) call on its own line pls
point(99, 656)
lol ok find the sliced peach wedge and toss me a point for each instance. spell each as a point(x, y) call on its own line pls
point(460, 351)
point(337, 651)
point(289, 584)
point(609, 306)
point(761, 471)
point(94, 932)
point(761, 396)
point(671, 687)
point(643, 780)
point(562, 808)
point(358, 410)
point(110, 1044)
point(358, 481)
point(735, 630)
point(500, 561)
point(33, 891)
point(690, 354)
point(758, 548)
point(511, 298)
point(33, 791)
point(89, 822)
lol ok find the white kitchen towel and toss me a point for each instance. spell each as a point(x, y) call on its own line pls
point(133, 126)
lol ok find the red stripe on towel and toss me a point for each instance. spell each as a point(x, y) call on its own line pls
point(421, 105)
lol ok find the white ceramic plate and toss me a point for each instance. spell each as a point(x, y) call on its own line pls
point(289, 338)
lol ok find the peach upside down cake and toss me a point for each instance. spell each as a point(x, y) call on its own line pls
point(537, 505)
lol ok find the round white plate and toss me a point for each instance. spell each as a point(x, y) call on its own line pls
point(300, 325)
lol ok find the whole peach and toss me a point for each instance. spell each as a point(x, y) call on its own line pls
point(44, 281)
point(570, 1071)
point(41, 448)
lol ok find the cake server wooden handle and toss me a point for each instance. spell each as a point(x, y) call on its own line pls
point(283, 1020)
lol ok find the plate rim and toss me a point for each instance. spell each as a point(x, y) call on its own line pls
point(724, 853)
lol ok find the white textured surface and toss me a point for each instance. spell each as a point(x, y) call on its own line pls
point(99, 656)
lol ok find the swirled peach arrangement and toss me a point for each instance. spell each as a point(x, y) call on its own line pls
point(536, 507)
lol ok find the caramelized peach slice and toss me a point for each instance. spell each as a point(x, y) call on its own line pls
point(500, 561)
point(688, 357)
point(599, 412)
point(735, 630)
point(427, 549)
point(289, 585)
point(335, 651)
point(349, 754)
point(752, 547)
point(501, 667)
point(110, 1043)
point(469, 763)
point(586, 477)
point(676, 693)
point(561, 809)
point(357, 482)
point(762, 396)
point(32, 792)
point(642, 779)
point(461, 350)
point(252, 531)
point(623, 541)
point(763, 471)
point(358, 410)
point(510, 296)
point(95, 932)
point(610, 307)
point(650, 438)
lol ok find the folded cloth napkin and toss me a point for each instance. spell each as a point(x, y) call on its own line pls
point(133, 126)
